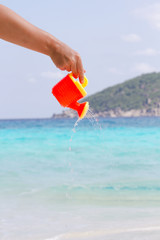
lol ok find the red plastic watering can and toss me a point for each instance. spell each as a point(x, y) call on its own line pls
point(68, 91)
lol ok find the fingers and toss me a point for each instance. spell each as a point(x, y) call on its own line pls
point(68, 68)
point(62, 68)
point(68, 59)
point(74, 70)
point(72, 63)
point(80, 70)
point(77, 68)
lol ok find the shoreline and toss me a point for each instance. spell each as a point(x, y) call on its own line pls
point(115, 113)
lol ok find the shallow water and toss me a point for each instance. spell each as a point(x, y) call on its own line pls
point(105, 177)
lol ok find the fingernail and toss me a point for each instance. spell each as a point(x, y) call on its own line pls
point(82, 81)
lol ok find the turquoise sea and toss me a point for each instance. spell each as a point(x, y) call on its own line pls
point(97, 180)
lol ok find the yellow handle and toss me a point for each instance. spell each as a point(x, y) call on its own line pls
point(85, 83)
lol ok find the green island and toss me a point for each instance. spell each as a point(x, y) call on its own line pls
point(139, 96)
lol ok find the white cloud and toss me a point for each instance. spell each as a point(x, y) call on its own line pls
point(53, 75)
point(131, 38)
point(151, 14)
point(147, 52)
point(143, 68)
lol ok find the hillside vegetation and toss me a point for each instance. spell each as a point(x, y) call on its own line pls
point(138, 93)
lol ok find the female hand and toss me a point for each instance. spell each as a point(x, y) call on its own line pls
point(65, 58)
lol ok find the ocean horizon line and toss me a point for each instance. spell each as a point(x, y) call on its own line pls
point(49, 118)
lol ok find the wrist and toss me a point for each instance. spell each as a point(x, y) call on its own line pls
point(52, 45)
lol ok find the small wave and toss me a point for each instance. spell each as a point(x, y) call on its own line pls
point(102, 233)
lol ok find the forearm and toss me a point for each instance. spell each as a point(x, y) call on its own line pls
point(17, 30)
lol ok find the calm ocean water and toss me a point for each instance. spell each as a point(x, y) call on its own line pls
point(55, 179)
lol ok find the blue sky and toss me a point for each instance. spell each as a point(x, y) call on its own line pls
point(117, 40)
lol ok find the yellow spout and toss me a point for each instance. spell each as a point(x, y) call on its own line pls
point(84, 110)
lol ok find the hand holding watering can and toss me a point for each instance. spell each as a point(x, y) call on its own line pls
point(68, 91)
